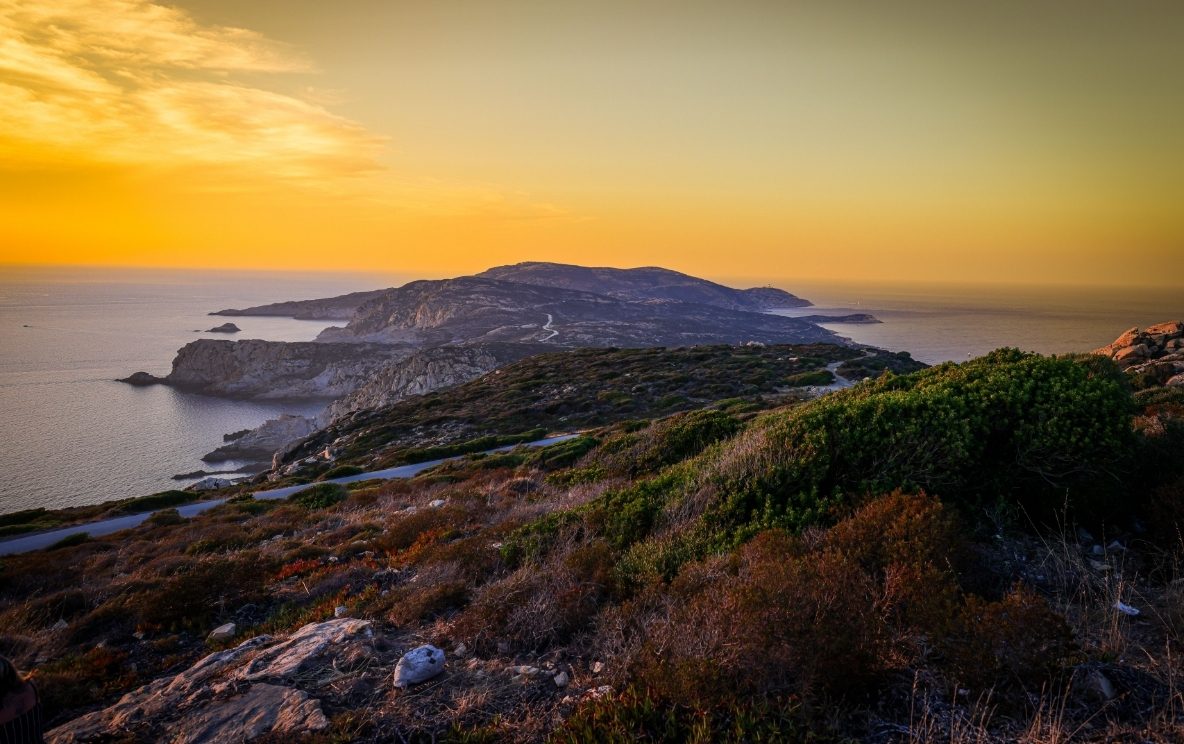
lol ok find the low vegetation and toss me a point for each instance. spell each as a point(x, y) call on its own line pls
point(940, 555)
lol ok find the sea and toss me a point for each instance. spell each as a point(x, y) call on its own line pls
point(71, 435)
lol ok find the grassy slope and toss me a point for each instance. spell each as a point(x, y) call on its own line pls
point(587, 388)
point(738, 577)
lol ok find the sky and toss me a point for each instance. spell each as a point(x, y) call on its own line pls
point(953, 141)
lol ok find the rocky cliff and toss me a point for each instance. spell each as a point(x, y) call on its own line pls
point(276, 369)
point(426, 371)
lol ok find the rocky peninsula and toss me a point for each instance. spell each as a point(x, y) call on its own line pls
point(431, 334)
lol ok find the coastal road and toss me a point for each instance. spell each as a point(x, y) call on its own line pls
point(40, 540)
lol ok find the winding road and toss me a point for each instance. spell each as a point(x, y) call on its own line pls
point(547, 327)
point(40, 540)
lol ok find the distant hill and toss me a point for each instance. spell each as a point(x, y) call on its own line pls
point(479, 310)
point(628, 285)
point(330, 308)
point(646, 283)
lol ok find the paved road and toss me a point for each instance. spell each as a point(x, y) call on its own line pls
point(39, 540)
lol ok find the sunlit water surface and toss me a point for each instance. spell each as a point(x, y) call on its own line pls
point(70, 434)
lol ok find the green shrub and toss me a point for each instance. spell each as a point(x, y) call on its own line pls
point(69, 541)
point(341, 471)
point(816, 377)
point(161, 500)
point(164, 518)
point(665, 442)
point(620, 517)
point(320, 496)
point(27, 520)
point(1034, 431)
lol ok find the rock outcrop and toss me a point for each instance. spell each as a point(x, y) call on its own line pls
point(428, 370)
point(261, 443)
point(225, 328)
point(277, 369)
point(1155, 353)
point(141, 379)
point(262, 686)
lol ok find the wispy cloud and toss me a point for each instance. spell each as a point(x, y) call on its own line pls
point(134, 82)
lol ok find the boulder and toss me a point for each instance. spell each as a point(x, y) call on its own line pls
point(419, 665)
point(1176, 381)
point(222, 633)
point(263, 709)
point(1138, 351)
point(210, 484)
point(1171, 329)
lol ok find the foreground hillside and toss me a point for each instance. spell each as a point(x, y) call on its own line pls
point(977, 552)
point(575, 390)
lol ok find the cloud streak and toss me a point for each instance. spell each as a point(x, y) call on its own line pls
point(137, 83)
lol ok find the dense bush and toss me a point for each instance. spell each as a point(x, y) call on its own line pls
point(665, 442)
point(817, 377)
point(161, 500)
point(636, 716)
point(810, 617)
point(320, 496)
point(1017, 643)
point(1034, 431)
point(341, 471)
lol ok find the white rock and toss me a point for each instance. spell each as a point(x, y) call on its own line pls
point(419, 665)
point(460, 650)
point(61, 625)
point(597, 667)
point(340, 611)
point(223, 632)
point(437, 503)
point(562, 679)
point(211, 483)
point(1126, 609)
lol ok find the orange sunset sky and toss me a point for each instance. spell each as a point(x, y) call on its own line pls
point(1002, 141)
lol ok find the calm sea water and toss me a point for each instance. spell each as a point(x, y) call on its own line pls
point(938, 323)
point(70, 435)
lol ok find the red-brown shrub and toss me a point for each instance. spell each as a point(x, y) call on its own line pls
point(1016, 640)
